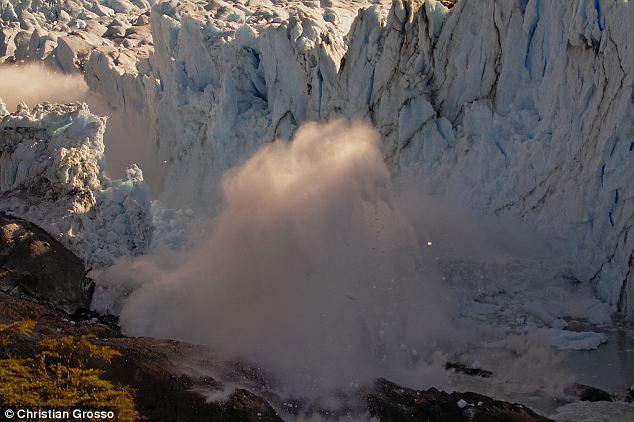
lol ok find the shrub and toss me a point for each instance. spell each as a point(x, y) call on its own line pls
point(60, 374)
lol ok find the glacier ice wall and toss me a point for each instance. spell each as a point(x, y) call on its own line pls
point(51, 173)
point(224, 89)
point(520, 108)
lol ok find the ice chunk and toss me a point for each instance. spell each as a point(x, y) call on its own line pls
point(576, 340)
point(51, 173)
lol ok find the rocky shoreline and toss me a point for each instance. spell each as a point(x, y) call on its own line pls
point(165, 391)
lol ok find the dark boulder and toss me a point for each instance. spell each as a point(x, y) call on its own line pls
point(391, 402)
point(246, 406)
point(460, 368)
point(587, 393)
point(35, 265)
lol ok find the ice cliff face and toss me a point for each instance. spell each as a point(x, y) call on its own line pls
point(51, 173)
point(224, 78)
point(519, 107)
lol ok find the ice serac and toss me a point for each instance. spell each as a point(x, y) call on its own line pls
point(62, 34)
point(225, 78)
point(521, 108)
point(51, 173)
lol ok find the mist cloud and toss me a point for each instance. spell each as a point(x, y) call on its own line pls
point(310, 270)
point(34, 83)
point(128, 140)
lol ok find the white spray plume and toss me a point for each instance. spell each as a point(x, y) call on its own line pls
point(310, 271)
point(34, 83)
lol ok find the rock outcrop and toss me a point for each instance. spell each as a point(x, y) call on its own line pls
point(167, 386)
point(35, 265)
point(162, 390)
point(391, 402)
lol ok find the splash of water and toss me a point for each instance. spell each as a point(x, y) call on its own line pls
point(310, 271)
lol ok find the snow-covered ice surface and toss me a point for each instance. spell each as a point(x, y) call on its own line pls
point(51, 173)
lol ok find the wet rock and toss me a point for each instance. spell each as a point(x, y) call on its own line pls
point(243, 405)
point(390, 402)
point(34, 264)
point(587, 393)
point(460, 368)
point(166, 392)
